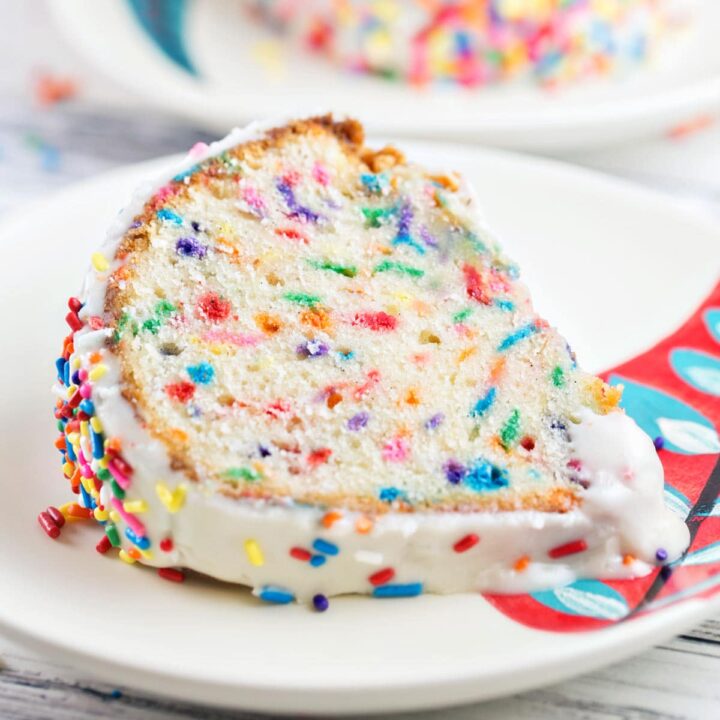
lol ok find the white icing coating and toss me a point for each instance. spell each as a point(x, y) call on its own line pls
point(622, 511)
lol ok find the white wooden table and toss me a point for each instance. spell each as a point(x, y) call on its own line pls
point(44, 150)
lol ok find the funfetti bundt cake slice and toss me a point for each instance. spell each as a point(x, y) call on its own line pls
point(305, 366)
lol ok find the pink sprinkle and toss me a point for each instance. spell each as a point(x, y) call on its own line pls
point(83, 374)
point(397, 450)
point(238, 339)
point(251, 196)
point(95, 322)
point(321, 174)
point(85, 390)
point(198, 149)
point(165, 192)
point(122, 480)
point(130, 520)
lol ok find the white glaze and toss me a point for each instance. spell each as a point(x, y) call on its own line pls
point(622, 512)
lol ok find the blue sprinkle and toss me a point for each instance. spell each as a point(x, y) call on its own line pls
point(359, 421)
point(60, 365)
point(484, 476)
point(397, 590)
point(186, 173)
point(506, 305)
point(142, 542)
point(320, 602)
point(275, 594)
point(98, 446)
point(202, 373)
point(66, 375)
point(87, 407)
point(75, 377)
point(87, 500)
point(391, 494)
point(169, 215)
point(190, 247)
point(375, 183)
point(349, 355)
point(70, 452)
point(317, 560)
point(484, 403)
point(454, 471)
point(434, 421)
point(325, 546)
point(520, 334)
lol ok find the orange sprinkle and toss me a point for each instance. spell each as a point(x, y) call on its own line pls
point(691, 126)
point(412, 397)
point(628, 559)
point(363, 525)
point(269, 324)
point(521, 563)
point(330, 518)
point(95, 357)
point(113, 445)
point(333, 399)
point(497, 370)
point(134, 553)
point(178, 435)
point(465, 354)
point(316, 317)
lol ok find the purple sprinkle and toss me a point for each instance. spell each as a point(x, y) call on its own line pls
point(427, 238)
point(454, 471)
point(195, 225)
point(264, 452)
point(296, 209)
point(659, 442)
point(320, 602)
point(661, 555)
point(312, 349)
point(434, 421)
point(356, 422)
point(190, 247)
point(135, 224)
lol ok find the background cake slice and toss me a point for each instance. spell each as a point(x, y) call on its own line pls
point(306, 366)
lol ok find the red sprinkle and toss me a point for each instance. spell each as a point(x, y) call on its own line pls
point(103, 545)
point(56, 516)
point(182, 391)
point(319, 456)
point(292, 234)
point(378, 321)
point(47, 524)
point(576, 546)
point(171, 574)
point(465, 543)
point(122, 465)
point(167, 544)
point(73, 321)
point(382, 576)
point(212, 307)
point(474, 285)
point(528, 443)
point(74, 304)
point(300, 554)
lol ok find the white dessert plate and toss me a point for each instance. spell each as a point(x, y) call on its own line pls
point(206, 60)
point(617, 267)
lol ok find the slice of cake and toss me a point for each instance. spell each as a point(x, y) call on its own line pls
point(306, 366)
point(473, 42)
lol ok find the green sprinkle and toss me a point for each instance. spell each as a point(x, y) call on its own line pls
point(558, 376)
point(152, 325)
point(241, 473)
point(103, 474)
point(117, 491)
point(390, 266)
point(302, 299)
point(462, 316)
point(375, 216)
point(477, 244)
point(510, 430)
point(165, 308)
point(112, 535)
point(346, 270)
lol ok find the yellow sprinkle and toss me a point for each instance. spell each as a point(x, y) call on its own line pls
point(101, 515)
point(103, 463)
point(76, 363)
point(125, 557)
point(68, 469)
point(99, 262)
point(216, 349)
point(71, 391)
point(115, 516)
point(97, 372)
point(84, 428)
point(74, 438)
point(254, 553)
point(135, 506)
point(173, 500)
point(147, 554)
point(87, 484)
point(95, 424)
